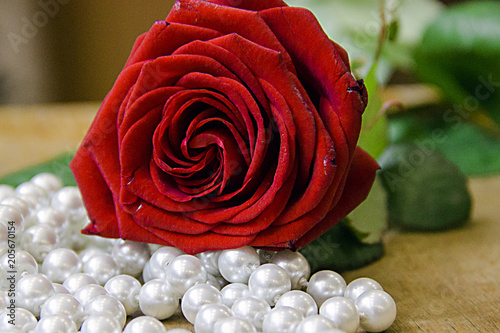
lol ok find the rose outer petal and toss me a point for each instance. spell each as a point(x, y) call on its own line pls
point(251, 4)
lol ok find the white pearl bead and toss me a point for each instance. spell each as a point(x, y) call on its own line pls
point(159, 261)
point(210, 259)
point(60, 289)
point(61, 263)
point(88, 292)
point(234, 325)
point(63, 304)
point(48, 181)
point(145, 324)
point(315, 324)
point(237, 265)
point(208, 315)
point(4, 236)
point(325, 284)
point(18, 204)
point(282, 319)
point(75, 281)
point(9, 214)
point(251, 308)
point(69, 201)
point(89, 252)
point(156, 300)
point(105, 244)
point(269, 282)
point(6, 191)
point(32, 292)
point(57, 221)
point(125, 288)
point(359, 286)
point(233, 292)
point(4, 300)
point(23, 264)
point(265, 256)
point(296, 265)
point(31, 189)
point(377, 310)
point(184, 272)
point(214, 282)
point(107, 305)
point(39, 240)
point(196, 297)
point(130, 256)
point(178, 330)
point(101, 267)
point(299, 300)
point(33, 205)
point(55, 324)
point(99, 323)
point(342, 312)
point(25, 321)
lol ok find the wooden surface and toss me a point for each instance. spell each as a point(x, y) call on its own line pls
point(442, 282)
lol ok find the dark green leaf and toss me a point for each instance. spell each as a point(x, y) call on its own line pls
point(425, 190)
point(58, 166)
point(340, 250)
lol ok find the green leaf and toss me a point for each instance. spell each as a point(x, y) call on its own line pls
point(460, 54)
point(338, 249)
point(369, 220)
point(425, 191)
point(58, 166)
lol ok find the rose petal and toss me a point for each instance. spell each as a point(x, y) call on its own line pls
point(251, 4)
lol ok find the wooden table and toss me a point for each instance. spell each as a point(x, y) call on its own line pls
point(442, 282)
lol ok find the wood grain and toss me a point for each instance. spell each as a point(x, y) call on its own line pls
point(442, 282)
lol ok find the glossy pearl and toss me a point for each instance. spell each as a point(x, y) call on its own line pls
point(196, 297)
point(360, 286)
point(377, 310)
point(25, 320)
point(210, 259)
point(61, 263)
point(31, 189)
point(63, 304)
point(156, 300)
point(11, 213)
point(48, 181)
point(184, 272)
point(101, 267)
point(6, 191)
point(296, 265)
point(32, 292)
point(237, 265)
point(56, 220)
point(4, 236)
point(39, 240)
point(99, 323)
point(325, 284)
point(18, 204)
point(55, 324)
point(233, 292)
point(342, 312)
point(4, 300)
point(69, 201)
point(60, 289)
point(300, 301)
point(125, 288)
point(105, 244)
point(88, 292)
point(145, 324)
point(269, 282)
point(251, 308)
point(159, 261)
point(208, 315)
point(107, 305)
point(88, 253)
point(282, 319)
point(234, 325)
point(315, 324)
point(24, 264)
point(130, 256)
point(213, 281)
point(75, 281)
point(265, 256)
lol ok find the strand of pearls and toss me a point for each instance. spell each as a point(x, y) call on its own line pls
point(63, 281)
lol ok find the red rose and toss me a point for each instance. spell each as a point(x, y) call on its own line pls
point(230, 125)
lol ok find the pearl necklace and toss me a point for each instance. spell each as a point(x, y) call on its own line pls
point(54, 279)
